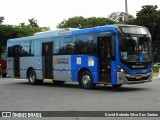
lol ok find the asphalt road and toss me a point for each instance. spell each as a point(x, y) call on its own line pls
point(18, 95)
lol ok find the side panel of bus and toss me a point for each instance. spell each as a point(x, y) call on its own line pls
point(84, 62)
point(62, 67)
point(34, 62)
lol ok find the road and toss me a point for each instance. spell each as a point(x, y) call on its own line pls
point(18, 95)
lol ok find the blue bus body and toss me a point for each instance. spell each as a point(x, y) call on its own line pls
point(89, 56)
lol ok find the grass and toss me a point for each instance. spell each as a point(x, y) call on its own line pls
point(155, 69)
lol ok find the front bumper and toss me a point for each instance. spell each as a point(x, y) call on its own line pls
point(123, 78)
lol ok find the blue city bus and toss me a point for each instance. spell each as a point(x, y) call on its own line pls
point(110, 55)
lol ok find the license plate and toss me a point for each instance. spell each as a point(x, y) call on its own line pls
point(138, 77)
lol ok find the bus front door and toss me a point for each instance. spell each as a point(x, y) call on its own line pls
point(16, 55)
point(104, 48)
point(47, 60)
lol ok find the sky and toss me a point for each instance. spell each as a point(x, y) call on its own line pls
point(51, 12)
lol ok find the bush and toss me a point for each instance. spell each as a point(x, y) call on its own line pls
point(156, 69)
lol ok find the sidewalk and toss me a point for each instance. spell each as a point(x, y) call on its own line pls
point(155, 75)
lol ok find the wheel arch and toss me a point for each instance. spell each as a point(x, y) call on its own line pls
point(82, 70)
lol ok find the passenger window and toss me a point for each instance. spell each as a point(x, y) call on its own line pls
point(26, 48)
point(10, 51)
point(56, 45)
point(85, 44)
point(68, 40)
point(67, 46)
point(37, 47)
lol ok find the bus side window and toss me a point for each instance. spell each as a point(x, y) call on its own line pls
point(56, 45)
point(10, 51)
point(67, 46)
point(26, 49)
point(85, 44)
point(113, 47)
point(37, 47)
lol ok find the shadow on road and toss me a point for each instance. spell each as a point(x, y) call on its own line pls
point(125, 88)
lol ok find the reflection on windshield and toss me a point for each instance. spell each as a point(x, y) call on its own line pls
point(133, 48)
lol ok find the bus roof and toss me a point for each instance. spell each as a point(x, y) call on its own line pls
point(69, 31)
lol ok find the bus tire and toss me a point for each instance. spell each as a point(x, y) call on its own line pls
point(117, 86)
point(86, 80)
point(32, 77)
point(4, 74)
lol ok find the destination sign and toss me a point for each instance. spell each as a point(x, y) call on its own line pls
point(134, 30)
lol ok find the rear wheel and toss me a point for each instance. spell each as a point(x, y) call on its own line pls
point(86, 80)
point(32, 78)
point(4, 74)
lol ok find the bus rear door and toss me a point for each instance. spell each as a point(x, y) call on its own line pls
point(16, 61)
point(47, 60)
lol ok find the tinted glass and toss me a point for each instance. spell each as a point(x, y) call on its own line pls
point(134, 48)
point(67, 46)
point(56, 45)
point(85, 44)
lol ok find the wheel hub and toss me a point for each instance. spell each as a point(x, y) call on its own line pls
point(32, 77)
point(86, 79)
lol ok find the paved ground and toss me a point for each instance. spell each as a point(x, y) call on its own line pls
point(18, 95)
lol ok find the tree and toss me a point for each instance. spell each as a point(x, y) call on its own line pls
point(81, 22)
point(33, 22)
point(1, 20)
point(12, 31)
point(149, 17)
point(120, 17)
point(75, 22)
point(22, 24)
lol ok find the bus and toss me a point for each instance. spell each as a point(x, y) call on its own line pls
point(110, 55)
point(3, 65)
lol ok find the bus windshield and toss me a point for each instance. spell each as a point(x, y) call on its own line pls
point(135, 48)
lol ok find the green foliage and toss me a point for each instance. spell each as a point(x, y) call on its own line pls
point(155, 69)
point(81, 22)
point(149, 17)
point(147, 10)
point(33, 22)
point(10, 31)
point(22, 30)
point(75, 22)
point(1, 19)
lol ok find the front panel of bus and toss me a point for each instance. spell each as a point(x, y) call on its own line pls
point(135, 58)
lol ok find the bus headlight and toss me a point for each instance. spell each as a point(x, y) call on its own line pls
point(122, 70)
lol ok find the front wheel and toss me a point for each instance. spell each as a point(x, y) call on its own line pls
point(86, 80)
point(32, 78)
